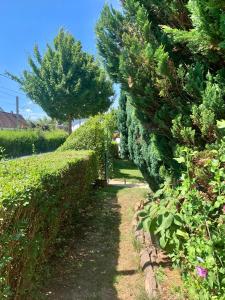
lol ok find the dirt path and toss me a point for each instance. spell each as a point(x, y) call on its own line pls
point(100, 261)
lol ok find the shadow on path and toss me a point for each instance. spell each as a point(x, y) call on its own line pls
point(99, 262)
point(88, 268)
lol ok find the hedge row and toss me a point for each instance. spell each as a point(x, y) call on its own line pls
point(95, 134)
point(38, 197)
point(25, 142)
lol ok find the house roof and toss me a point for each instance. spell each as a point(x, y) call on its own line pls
point(9, 120)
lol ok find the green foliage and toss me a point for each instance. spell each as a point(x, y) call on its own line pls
point(170, 64)
point(169, 61)
point(66, 82)
point(2, 155)
point(39, 196)
point(95, 134)
point(122, 125)
point(189, 221)
point(25, 142)
point(126, 170)
point(43, 123)
point(114, 150)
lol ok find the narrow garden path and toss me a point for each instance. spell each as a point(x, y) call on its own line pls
point(100, 260)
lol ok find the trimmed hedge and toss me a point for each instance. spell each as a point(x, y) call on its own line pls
point(25, 142)
point(38, 197)
point(95, 134)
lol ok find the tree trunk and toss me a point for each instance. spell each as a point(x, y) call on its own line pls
point(70, 125)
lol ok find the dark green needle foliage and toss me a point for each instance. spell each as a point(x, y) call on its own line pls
point(122, 125)
point(168, 57)
point(170, 62)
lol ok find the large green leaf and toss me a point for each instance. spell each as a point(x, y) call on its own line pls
point(166, 223)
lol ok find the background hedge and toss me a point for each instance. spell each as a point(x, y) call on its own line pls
point(95, 134)
point(25, 142)
point(37, 195)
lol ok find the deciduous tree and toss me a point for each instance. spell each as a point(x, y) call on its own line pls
point(66, 81)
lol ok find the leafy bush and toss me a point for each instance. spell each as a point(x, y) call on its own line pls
point(95, 134)
point(189, 222)
point(38, 196)
point(114, 150)
point(24, 142)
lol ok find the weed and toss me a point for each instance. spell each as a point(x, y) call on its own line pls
point(160, 275)
point(137, 245)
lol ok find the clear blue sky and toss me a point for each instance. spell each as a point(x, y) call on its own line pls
point(26, 22)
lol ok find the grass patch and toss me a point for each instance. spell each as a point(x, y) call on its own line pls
point(126, 170)
point(160, 275)
point(137, 245)
point(143, 296)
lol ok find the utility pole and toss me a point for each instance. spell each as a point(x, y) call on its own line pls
point(17, 112)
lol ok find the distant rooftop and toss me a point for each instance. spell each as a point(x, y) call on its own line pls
point(9, 120)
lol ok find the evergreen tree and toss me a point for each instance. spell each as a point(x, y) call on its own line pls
point(122, 125)
point(169, 59)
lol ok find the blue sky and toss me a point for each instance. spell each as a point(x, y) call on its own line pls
point(26, 22)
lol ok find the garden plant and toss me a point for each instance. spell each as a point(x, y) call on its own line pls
point(169, 58)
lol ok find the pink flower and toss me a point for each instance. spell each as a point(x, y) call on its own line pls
point(223, 209)
point(202, 272)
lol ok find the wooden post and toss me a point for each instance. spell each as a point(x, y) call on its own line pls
point(17, 112)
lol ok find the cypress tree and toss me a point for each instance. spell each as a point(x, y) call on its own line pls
point(169, 59)
point(122, 125)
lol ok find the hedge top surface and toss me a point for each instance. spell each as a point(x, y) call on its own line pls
point(27, 173)
point(31, 133)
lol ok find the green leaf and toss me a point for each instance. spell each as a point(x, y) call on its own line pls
point(142, 214)
point(178, 220)
point(182, 234)
point(211, 279)
point(163, 241)
point(219, 201)
point(180, 160)
point(221, 124)
point(166, 223)
point(158, 193)
point(147, 224)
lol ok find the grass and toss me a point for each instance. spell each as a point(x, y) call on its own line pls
point(126, 170)
point(137, 245)
point(160, 275)
point(143, 295)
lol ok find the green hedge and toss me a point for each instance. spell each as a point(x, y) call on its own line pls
point(95, 134)
point(38, 196)
point(25, 142)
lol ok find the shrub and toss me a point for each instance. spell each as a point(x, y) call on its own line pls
point(38, 196)
point(163, 55)
point(95, 134)
point(114, 150)
point(25, 142)
point(189, 222)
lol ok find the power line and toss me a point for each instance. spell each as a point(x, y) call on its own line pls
point(17, 92)
point(10, 95)
point(5, 76)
